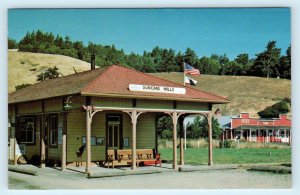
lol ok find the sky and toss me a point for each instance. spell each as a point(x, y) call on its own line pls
point(230, 31)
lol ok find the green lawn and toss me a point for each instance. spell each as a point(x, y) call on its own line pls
point(231, 155)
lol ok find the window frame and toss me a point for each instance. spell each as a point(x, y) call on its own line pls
point(25, 125)
point(51, 130)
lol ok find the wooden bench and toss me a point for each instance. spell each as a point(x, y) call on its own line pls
point(110, 158)
point(147, 156)
point(123, 157)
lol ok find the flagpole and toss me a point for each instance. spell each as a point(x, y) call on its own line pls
point(183, 73)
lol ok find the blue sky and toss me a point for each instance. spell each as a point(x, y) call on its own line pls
point(206, 31)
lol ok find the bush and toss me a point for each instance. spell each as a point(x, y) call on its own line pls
point(227, 144)
point(18, 87)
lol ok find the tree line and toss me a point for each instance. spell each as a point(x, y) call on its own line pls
point(268, 63)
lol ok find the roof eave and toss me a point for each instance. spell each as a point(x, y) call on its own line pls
point(155, 98)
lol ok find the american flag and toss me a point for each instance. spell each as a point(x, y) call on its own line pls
point(188, 69)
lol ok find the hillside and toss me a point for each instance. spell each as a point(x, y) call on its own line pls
point(23, 67)
point(247, 94)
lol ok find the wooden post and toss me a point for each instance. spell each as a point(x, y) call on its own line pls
point(64, 143)
point(88, 141)
point(181, 141)
point(174, 140)
point(134, 121)
point(210, 160)
point(231, 136)
point(42, 143)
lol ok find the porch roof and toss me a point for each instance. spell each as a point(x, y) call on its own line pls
point(112, 81)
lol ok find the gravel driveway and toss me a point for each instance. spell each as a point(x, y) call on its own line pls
point(49, 178)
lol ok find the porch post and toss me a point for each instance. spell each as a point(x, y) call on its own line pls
point(174, 140)
point(42, 143)
point(210, 160)
point(181, 119)
point(88, 141)
point(64, 143)
point(134, 121)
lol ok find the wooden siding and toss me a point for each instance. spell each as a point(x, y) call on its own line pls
point(53, 105)
point(76, 124)
point(98, 130)
point(192, 106)
point(111, 102)
point(76, 129)
point(127, 129)
point(145, 135)
point(154, 104)
point(30, 108)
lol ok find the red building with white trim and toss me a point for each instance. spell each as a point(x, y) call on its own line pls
point(247, 128)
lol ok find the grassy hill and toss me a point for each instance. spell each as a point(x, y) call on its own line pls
point(23, 67)
point(247, 94)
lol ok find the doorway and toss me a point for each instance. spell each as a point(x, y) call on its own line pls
point(114, 132)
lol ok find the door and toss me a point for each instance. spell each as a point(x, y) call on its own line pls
point(113, 136)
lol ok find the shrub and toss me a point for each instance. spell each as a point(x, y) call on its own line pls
point(18, 87)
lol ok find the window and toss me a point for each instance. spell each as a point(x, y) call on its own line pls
point(26, 129)
point(53, 130)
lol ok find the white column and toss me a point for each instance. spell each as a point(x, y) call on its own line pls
point(174, 140)
point(88, 141)
point(184, 136)
point(134, 121)
point(64, 143)
point(42, 143)
point(210, 160)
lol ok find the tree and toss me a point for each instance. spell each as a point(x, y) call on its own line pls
point(266, 63)
point(276, 109)
point(209, 66)
point(190, 56)
point(165, 127)
point(231, 68)
point(199, 128)
point(50, 73)
point(242, 59)
point(284, 66)
point(12, 44)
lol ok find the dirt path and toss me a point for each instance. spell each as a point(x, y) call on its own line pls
point(216, 179)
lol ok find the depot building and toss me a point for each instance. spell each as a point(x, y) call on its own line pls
point(104, 109)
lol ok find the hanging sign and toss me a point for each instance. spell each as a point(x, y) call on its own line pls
point(157, 89)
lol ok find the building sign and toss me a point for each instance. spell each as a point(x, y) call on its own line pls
point(156, 89)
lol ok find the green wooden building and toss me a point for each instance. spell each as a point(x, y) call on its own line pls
point(106, 108)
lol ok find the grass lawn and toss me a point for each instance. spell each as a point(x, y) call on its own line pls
point(198, 156)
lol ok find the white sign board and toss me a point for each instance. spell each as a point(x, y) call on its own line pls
point(157, 89)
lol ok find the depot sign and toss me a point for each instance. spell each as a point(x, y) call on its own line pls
point(156, 89)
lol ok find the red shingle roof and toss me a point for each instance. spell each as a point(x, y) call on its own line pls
point(110, 81)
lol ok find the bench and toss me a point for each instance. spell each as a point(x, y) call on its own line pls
point(147, 156)
point(110, 158)
point(124, 157)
